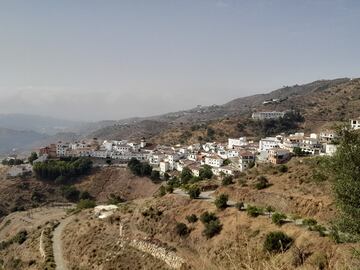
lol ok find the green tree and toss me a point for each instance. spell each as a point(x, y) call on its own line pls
point(194, 192)
point(277, 242)
point(182, 230)
point(205, 172)
point(221, 201)
point(155, 175)
point(226, 162)
point(278, 218)
point(192, 218)
point(343, 167)
point(33, 156)
point(186, 175)
point(227, 180)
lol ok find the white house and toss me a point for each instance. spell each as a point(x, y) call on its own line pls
point(355, 123)
point(330, 149)
point(327, 135)
point(269, 142)
point(227, 170)
point(164, 166)
point(236, 142)
point(214, 161)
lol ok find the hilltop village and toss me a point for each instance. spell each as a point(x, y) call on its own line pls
point(231, 158)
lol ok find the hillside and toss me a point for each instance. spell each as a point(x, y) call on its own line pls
point(320, 102)
point(19, 140)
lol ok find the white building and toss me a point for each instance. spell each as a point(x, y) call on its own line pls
point(214, 161)
point(329, 149)
point(269, 142)
point(355, 123)
point(236, 142)
point(327, 135)
point(164, 166)
point(267, 115)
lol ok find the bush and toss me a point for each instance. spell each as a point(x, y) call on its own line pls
point(283, 168)
point(253, 211)
point(182, 230)
point(71, 193)
point(221, 201)
point(194, 192)
point(20, 237)
point(162, 191)
point(85, 195)
point(114, 199)
point(138, 168)
point(85, 204)
point(278, 218)
point(192, 218)
point(277, 242)
point(205, 172)
point(262, 182)
point(212, 228)
point(206, 217)
point(227, 180)
point(309, 222)
point(239, 206)
point(186, 175)
point(155, 175)
point(169, 189)
point(318, 228)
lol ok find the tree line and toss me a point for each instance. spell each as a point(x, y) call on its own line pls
point(65, 168)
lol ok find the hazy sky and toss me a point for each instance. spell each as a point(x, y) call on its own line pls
point(104, 59)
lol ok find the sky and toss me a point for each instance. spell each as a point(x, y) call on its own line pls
point(105, 59)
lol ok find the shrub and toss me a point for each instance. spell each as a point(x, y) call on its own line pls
point(192, 218)
point(169, 189)
point(227, 180)
point(318, 228)
point(84, 204)
point(206, 217)
point(269, 209)
point(283, 168)
point(194, 192)
point(261, 183)
point(221, 201)
point(20, 237)
point(114, 199)
point(253, 211)
point(155, 175)
point(205, 172)
point(278, 218)
point(70, 193)
point(212, 228)
point(239, 206)
point(186, 175)
point(277, 242)
point(309, 222)
point(182, 230)
point(162, 191)
point(85, 195)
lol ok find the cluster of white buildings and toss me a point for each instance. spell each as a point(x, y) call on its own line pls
point(236, 156)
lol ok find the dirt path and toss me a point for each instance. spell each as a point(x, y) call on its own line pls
point(57, 244)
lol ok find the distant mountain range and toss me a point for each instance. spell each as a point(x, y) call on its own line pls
point(319, 101)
